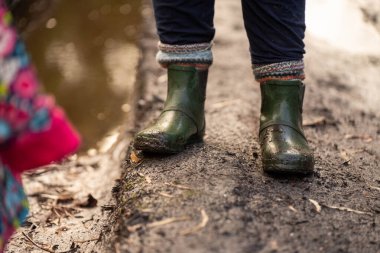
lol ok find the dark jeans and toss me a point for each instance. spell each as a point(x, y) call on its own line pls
point(275, 28)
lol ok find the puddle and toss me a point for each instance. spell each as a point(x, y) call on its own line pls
point(86, 55)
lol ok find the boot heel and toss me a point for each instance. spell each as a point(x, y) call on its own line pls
point(198, 137)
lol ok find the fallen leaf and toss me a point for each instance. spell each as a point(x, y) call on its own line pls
point(316, 204)
point(135, 158)
point(346, 159)
point(90, 202)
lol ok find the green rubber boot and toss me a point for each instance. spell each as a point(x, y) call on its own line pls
point(182, 120)
point(284, 147)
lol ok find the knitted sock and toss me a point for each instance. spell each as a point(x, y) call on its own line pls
point(187, 54)
point(289, 70)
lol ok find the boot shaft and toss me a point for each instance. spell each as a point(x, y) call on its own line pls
point(187, 91)
point(282, 103)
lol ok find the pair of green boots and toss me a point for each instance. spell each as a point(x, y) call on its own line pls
point(284, 148)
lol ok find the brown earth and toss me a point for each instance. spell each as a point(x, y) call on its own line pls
point(214, 197)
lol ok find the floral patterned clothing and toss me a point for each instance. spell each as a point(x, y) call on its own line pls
point(33, 130)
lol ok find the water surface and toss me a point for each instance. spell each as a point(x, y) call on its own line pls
point(85, 54)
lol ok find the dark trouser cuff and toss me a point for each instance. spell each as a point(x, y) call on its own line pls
point(289, 70)
point(190, 54)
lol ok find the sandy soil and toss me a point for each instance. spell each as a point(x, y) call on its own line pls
point(214, 197)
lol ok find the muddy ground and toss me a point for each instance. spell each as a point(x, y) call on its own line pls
point(86, 55)
point(214, 197)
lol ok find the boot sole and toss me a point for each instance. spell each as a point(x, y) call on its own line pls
point(158, 144)
point(303, 167)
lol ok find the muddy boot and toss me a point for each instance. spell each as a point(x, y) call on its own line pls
point(182, 120)
point(284, 147)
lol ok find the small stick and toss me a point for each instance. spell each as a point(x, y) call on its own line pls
point(167, 221)
point(89, 240)
point(200, 226)
point(316, 205)
point(38, 246)
point(342, 208)
point(374, 187)
point(179, 186)
point(164, 194)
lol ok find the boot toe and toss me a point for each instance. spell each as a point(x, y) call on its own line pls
point(157, 142)
point(289, 163)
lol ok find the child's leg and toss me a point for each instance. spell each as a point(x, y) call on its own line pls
point(276, 30)
point(186, 31)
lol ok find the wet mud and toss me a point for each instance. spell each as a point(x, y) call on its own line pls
point(214, 197)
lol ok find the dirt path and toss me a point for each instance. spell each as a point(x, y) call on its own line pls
point(214, 197)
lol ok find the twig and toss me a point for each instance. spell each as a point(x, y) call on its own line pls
point(293, 209)
point(315, 122)
point(92, 218)
point(38, 246)
point(167, 221)
point(89, 240)
point(348, 210)
point(179, 186)
point(164, 194)
point(53, 185)
point(200, 226)
point(316, 204)
point(134, 228)
point(44, 170)
point(374, 187)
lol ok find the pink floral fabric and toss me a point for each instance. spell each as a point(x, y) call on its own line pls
point(31, 126)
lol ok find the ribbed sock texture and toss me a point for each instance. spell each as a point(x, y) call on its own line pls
point(190, 54)
point(289, 70)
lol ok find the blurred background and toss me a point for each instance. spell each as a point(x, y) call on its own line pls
point(343, 49)
point(86, 55)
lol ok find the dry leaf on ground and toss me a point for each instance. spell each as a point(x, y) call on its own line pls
point(316, 204)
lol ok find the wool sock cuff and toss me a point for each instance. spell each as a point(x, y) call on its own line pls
point(189, 54)
point(288, 70)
